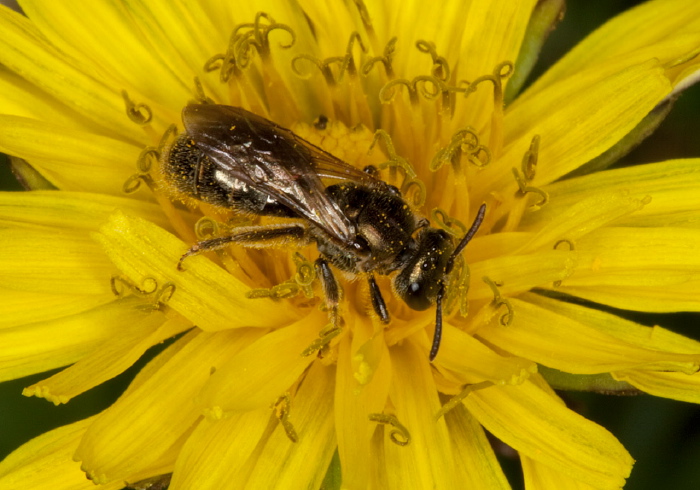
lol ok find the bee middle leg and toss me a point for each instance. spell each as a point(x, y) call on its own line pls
point(251, 236)
point(331, 290)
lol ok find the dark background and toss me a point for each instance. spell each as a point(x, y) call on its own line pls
point(662, 435)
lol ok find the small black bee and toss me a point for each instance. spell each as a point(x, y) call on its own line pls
point(234, 159)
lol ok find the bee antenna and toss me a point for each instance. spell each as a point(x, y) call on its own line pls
point(467, 238)
point(437, 336)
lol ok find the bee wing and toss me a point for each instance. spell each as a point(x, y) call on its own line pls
point(272, 160)
point(329, 167)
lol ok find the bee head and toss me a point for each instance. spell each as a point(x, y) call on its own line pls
point(419, 281)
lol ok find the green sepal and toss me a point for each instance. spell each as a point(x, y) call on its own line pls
point(28, 177)
point(598, 383)
point(333, 478)
point(545, 17)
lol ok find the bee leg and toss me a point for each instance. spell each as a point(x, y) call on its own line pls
point(249, 236)
point(330, 287)
point(378, 303)
point(437, 336)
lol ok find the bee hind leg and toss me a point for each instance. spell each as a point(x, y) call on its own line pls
point(251, 236)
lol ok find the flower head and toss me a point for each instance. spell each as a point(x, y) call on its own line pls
point(268, 380)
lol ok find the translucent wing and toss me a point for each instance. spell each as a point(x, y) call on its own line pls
point(274, 161)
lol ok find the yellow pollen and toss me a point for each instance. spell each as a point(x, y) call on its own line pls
point(363, 374)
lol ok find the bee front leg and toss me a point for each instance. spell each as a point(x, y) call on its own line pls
point(437, 336)
point(251, 236)
point(331, 290)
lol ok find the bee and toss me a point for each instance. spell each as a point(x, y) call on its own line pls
point(234, 159)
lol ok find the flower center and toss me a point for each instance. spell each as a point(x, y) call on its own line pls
point(356, 114)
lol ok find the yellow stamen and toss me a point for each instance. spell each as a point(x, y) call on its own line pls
point(501, 71)
point(282, 407)
point(400, 435)
point(451, 225)
point(498, 301)
point(441, 68)
point(464, 141)
point(456, 400)
point(305, 275)
point(346, 63)
point(325, 336)
point(570, 243)
point(148, 286)
point(140, 114)
point(386, 59)
point(199, 96)
point(394, 159)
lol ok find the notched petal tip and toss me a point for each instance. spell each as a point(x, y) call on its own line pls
point(41, 391)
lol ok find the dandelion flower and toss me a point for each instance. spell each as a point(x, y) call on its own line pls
point(254, 389)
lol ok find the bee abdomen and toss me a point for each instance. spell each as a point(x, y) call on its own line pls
point(194, 174)
point(189, 171)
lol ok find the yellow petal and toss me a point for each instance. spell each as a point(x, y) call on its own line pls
point(519, 273)
point(45, 463)
point(332, 23)
point(354, 402)
point(655, 27)
point(427, 461)
point(182, 39)
point(542, 477)
point(562, 343)
point(476, 464)
point(134, 64)
point(495, 33)
point(672, 186)
point(282, 463)
point(24, 50)
point(655, 299)
point(625, 267)
point(72, 210)
point(677, 386)
point(655, 338)
point(25, 307)
point(108, 360)
point(71, 159)
point(231, 440)
point(576, 120)
point(497, 245)
point(157, 413)
point(582, 217)
point(204, 293)
point(481, 364)
point(45, 261)
point(497, 30)
point(26, 100)
point(38, 347)
point(260, 373)
point(540, 427)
